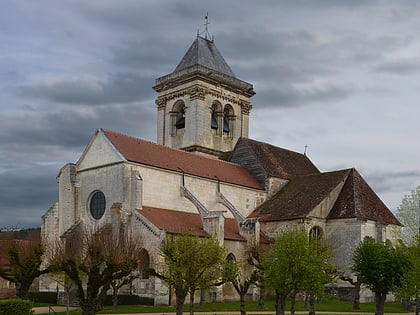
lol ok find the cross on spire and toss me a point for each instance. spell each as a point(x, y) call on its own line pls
point(206, 28)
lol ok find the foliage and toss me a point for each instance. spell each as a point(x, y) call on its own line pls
point(25, 259)
point(95, 259)
point(380, 267)
point(409, 215)
point(15, 307)
point(191, 263)
point(241, 275)
point(296, 264)
point(410, 282)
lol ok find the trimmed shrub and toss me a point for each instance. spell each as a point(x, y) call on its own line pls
point(43, 297)
point(15, 307)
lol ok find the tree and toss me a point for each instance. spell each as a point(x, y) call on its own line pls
point(410, 283)
point(241, 275)
point(25, 259)
point(380, 267)
point(409, 215)
point(318, 271)
point(93, 260)
point(190, 263)
point(295, 264)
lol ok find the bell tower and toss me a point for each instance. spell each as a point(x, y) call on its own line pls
point(202, 106)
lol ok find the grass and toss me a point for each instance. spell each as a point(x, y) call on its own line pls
point(330, 305)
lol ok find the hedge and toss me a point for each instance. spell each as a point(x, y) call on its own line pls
point(15, 307)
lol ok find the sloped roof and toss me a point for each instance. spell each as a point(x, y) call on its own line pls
point(279, 162)
point(148, 153)
point(358, 200)
point(204, 52)
point(300, 196)
point(177, 222)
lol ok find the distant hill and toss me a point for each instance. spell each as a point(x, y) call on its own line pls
point(33, 234)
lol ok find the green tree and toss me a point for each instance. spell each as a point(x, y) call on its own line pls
point(190, 263)
point(409, 215)
point(410, 283)
point(318, 271)
point(381, 268)
point(295, 264)
point(92, 261)
point(241, 275)
point(25, 259)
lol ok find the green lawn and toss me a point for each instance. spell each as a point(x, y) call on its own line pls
point(326, 305)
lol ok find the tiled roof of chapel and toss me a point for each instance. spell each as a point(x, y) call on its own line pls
point(152, 154)
point(302, 194)
point(178, 222)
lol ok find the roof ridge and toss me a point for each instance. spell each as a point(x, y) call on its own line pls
point(169, 148)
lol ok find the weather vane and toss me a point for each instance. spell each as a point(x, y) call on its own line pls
point(206, 29)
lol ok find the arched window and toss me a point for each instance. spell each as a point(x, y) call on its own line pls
point(231, 257)
point(144, 263)
point(216, 113)
point(315, 233)
point(178, 116)
point(228, 119)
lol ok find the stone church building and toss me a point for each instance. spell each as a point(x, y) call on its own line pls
point(206, 175)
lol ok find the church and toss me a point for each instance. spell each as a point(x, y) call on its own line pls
point(206, 175)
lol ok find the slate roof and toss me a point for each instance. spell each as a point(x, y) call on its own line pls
point(357, 199)
point(152, 154)
point(302, 194)
point(277, 162)
point(177, 222)
point(203, 52)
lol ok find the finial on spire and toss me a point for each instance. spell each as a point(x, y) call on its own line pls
point(306, 148)
point(206, 29)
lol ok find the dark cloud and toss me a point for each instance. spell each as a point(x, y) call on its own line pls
point(26, 193)
point(71, 68)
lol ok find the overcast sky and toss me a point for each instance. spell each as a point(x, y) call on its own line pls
point(342, 77)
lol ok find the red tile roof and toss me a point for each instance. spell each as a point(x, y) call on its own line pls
point(148, 153)
point(178, 222)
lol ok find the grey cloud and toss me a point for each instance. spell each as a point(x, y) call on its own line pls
point(117, 88)
point(290, 96)
point(386, 181)
point(399, 67)
point(22, 207)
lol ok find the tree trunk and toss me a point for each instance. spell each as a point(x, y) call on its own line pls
point(180, 299)
point(292, 304)
point(280, 303)
point(380, 303)
point(356, 302)
point(22, 289)
point(261, 299)
point(114, 298)
point(192, 302)
point(242, 303)
point(311, 305)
